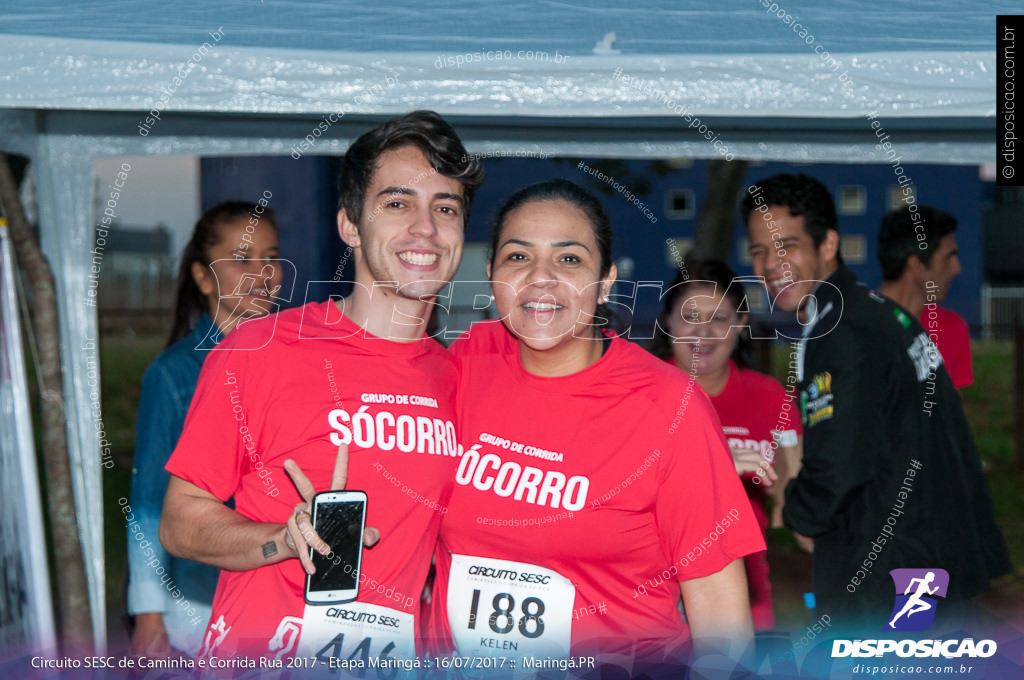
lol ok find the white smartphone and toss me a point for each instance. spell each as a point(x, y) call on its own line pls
point(339, 518)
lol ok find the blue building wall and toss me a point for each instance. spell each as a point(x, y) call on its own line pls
point(955, 189)
point(305, 196)
point(303, 193)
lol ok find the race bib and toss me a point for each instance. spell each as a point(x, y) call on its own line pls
point(502, 608)
point(356, 636)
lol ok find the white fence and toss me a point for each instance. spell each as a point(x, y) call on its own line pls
point(1002, 308)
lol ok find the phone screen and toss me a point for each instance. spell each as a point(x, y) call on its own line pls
point(340, 525)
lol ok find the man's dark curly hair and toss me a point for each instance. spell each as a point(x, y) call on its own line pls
point(804, 196)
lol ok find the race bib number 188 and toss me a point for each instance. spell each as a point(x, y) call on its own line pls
point(497, 606)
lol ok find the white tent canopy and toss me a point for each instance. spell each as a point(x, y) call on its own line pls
point(768, 82)
point(790, 82)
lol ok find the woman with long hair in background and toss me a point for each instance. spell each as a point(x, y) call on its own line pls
point(227, 274)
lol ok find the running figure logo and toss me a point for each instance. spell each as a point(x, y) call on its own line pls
point(914, 610)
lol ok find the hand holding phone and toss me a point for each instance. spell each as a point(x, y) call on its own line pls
point(339, 518)
point(300, 535)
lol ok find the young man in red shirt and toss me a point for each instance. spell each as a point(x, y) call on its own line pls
point(919, 257)
point(273, 409)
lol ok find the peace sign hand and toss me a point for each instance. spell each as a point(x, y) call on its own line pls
point(299, 532)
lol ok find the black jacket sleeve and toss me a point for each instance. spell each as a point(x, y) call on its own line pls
point(842, 401)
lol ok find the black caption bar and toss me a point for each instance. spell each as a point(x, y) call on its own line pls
point(1009, 33)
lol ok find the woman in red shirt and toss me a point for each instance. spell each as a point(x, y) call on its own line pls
point(701, 332)
point(596, 486)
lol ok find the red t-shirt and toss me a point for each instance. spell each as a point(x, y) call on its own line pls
point(949, 332)
point(296, 385)
point(755, 410)
point(580, 503)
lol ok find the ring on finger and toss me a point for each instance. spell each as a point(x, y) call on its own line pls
point(301, 515)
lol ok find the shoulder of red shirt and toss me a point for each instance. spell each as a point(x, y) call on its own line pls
point(949, 318)
point(756, 381)
point(483, 337)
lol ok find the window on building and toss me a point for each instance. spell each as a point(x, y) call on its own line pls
point(898, 197)
point(853, 199)
point(679, 204)
point(743, 250)
point(854, 248)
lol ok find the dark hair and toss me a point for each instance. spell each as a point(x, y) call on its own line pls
point(189, 301)
point(425, 130)
point(898, 240)
point(698, 273)
point(563, 190)
point(803, 195)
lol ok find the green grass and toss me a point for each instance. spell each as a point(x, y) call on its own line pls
point(989, 406)
point(123, 360)
point(116, 482)
point(988, 401)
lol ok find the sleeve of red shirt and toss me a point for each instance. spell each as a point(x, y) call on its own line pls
point(702, 511)
point(210, 451)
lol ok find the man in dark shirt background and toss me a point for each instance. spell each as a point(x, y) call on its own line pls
point(919, 257)
point(891, 478)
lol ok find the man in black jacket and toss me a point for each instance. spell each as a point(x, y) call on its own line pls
point(891, 478)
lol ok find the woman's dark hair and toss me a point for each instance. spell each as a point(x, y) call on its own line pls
point(574, 195)
point(189, 301)
point(425, 130)
point(701, 273)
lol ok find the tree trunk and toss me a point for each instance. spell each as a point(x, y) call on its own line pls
point(75, 622)
point(716, 226)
